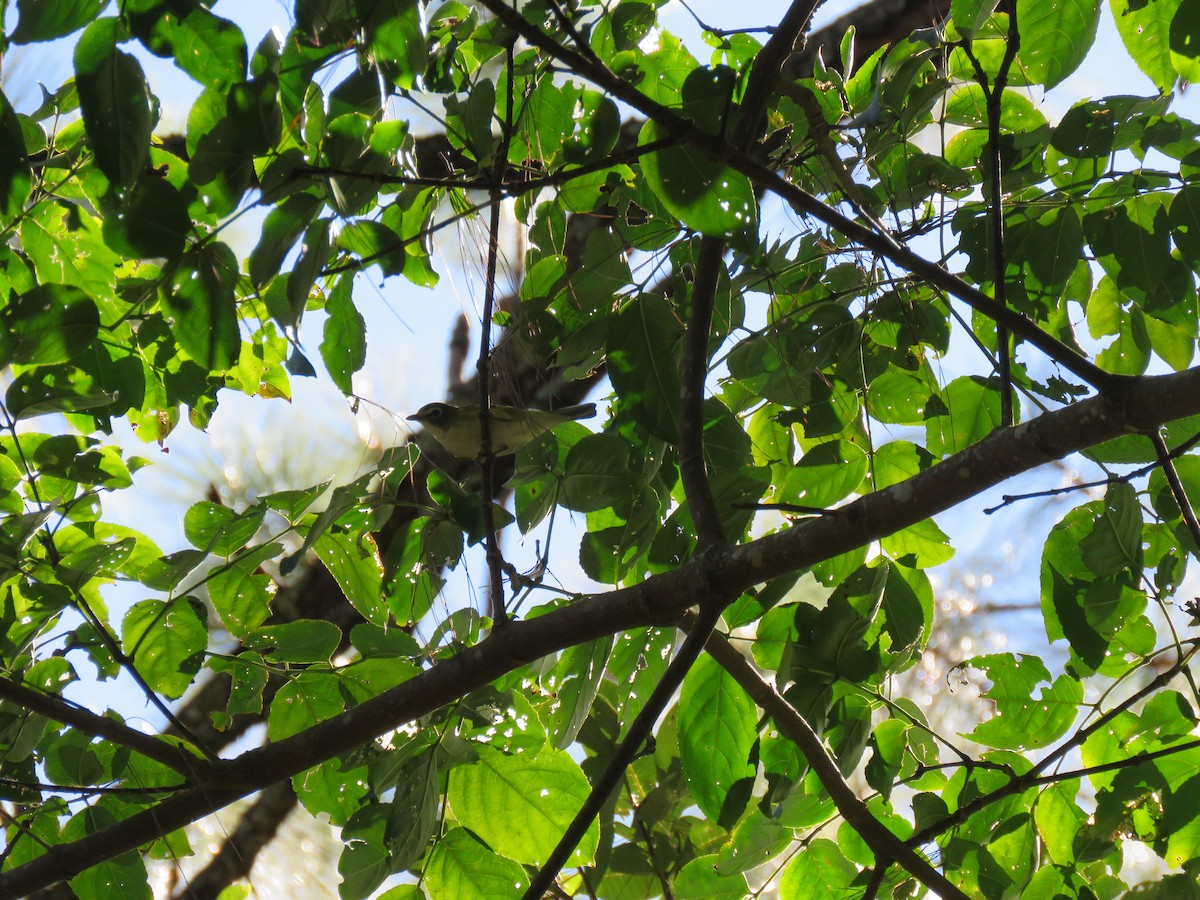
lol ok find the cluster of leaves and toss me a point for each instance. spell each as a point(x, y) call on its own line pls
point(820, 364)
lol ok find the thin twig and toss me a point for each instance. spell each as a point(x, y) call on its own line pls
point(495, 560)
point(993, 96)
point(1167, 462)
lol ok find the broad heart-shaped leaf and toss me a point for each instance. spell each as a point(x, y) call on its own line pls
point(704, 194)
point(218, 529)
point(718, 725)
point(200, 305)
point(365, 861)
point(166, 640)
point(1031, 712)
point(45, 20)
point(115, 101)
point(16, 178)
point(1059, 819)
point(50, 324)
point(461, 868)
point(1145, 30)
point(1055, 37)
point(521, 804)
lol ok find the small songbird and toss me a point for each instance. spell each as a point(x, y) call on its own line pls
point(457, 427)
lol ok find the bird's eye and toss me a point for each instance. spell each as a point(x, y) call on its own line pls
point(435, 414)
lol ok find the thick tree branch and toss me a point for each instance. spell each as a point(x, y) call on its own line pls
point(1147, 403)
point(192, 767)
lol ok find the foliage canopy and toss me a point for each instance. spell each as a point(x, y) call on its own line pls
point(740, 235)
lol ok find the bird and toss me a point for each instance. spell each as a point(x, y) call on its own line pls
point(510, 428)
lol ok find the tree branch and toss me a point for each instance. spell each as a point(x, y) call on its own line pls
point(882, 244)
point(190, 766)
point(1148, 402)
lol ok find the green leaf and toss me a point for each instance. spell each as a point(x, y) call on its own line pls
point(704, 194)
point(897, 397)
point(413, 816)
point(718, 725)
point(582, 672)
point(374, 242)
point(210, 49)
point(344, 344)
point(218, 529)
point(643, 343)
point(1181, 823)
point(395, 38)
point(151, 220)
point(1086, 609)
point(200, 305)
point(896, 461)
point(827, 473)
point(115, 101)
point(822, 870)
point(1184, 39)
point(598, 474)
point(166, 641)
point(305, 641)
point(354, 563)
point(1145, 30)
point(311, 697)
point(45, 20)
point(519, 805)
point(1031, 711)
point(1115, 542)
point(1055, 38)
point(919, 546)
point(461, 868)
point(16, 178)
point(700, 880)
point(1059, 820)
point(968, 412)
point(53, 323)
point(280, 231)
point(66, 247)
point(969, 15)
point(241, 596)
point(365, 861)
point(122, 875)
